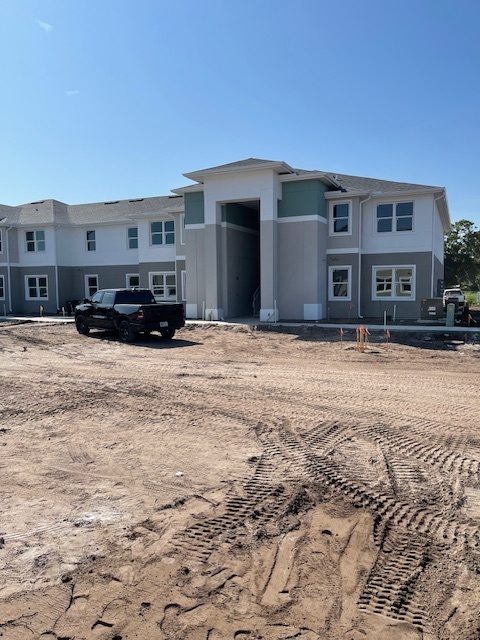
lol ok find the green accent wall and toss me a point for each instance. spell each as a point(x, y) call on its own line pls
point(303, 198)
point(240, 215)
point(194, 208)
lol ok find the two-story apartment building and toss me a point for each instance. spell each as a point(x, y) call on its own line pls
point(250, 236)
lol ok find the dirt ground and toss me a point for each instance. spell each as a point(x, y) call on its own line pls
point(237, 484)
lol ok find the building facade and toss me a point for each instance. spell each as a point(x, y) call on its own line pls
point(250, 237)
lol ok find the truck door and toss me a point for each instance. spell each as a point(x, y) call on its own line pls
point(95, 314)
point(106, 310)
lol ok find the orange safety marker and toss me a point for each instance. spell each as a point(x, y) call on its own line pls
point(341, 336)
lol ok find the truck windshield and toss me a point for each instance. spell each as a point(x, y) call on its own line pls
point(134, 297)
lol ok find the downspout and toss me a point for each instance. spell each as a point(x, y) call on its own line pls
point(56, 270)
point(360, 231)
point(433, 240)
point(10, 310)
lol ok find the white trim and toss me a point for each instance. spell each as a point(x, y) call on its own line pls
point(87, 286)
point(179, 258)
point(343, 251)
point(198, 225)
point(331, 206)
point(35, 240)
point(163, 233)
point(182, 228)
point(313, 218)
point(37, 276)
point(183, 278)
point(338, 267)
point(410, 298)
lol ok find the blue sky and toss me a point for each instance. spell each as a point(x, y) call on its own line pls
point(113, 99)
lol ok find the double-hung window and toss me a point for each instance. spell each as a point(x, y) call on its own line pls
point(2, 288)
point(340, 218)
point(163, 285)
point(91, 285)
point(395, 283)
point(162, 232)
point(132, 237)
point(35, 240)
point(36, 287)
point(395, 216)
point(340, 283)
point(91, 241)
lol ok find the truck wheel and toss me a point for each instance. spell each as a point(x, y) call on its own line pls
point(82, 326)
point(167, 334)
point(125, 332)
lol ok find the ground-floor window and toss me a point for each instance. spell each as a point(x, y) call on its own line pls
point(133, 280)
point(163, 285)
point(2, 288)
point(91, 285)
point(395, 283)
point(184, 285)
point(340, 283)
point(36, 287)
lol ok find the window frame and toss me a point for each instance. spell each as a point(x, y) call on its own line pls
point(87, 286)
point(164, 274)
point(183, 277)
point(135, 238)
point(127, 280)
point(331, 283)
point(38, 287)
point(394, 218)
point(163, 234)
point(89, 241)
point(331, 224)
point(2, 287)
point(35, 240)
point(1, 240)
point(182, 228)
point(394, 268)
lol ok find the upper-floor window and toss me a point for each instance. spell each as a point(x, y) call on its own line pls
point(394, 283)
point(162, 232)
point(340, 283)
point(2, 288)
point(36, 287)
point(395, 216)
point(132, 237)
point(91, 241)
point(340, 220)
point(35, 240)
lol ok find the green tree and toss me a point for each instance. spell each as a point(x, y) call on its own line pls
point(462, 256)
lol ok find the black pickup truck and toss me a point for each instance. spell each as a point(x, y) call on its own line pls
point(130, 312)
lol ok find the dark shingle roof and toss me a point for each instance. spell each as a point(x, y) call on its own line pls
point(372, 185)
point(248, 162)
point(55, 212)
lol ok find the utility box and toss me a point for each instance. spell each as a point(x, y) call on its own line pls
point(432, 309)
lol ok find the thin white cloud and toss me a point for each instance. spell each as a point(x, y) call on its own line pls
point(45, 26)
point(72, 92)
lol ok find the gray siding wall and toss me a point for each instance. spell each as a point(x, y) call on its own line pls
point(195, 266)
point(22, 306)
point(301, 268)
point(409, 310)
point(344, 309)
point(438, 274)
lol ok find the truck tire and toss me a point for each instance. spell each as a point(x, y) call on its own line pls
point(125, 332)
point(82, 326)
point(167, 334)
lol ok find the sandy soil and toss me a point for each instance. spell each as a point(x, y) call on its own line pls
point(237, 484)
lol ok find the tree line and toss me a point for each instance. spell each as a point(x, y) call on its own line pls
point(462, 256)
